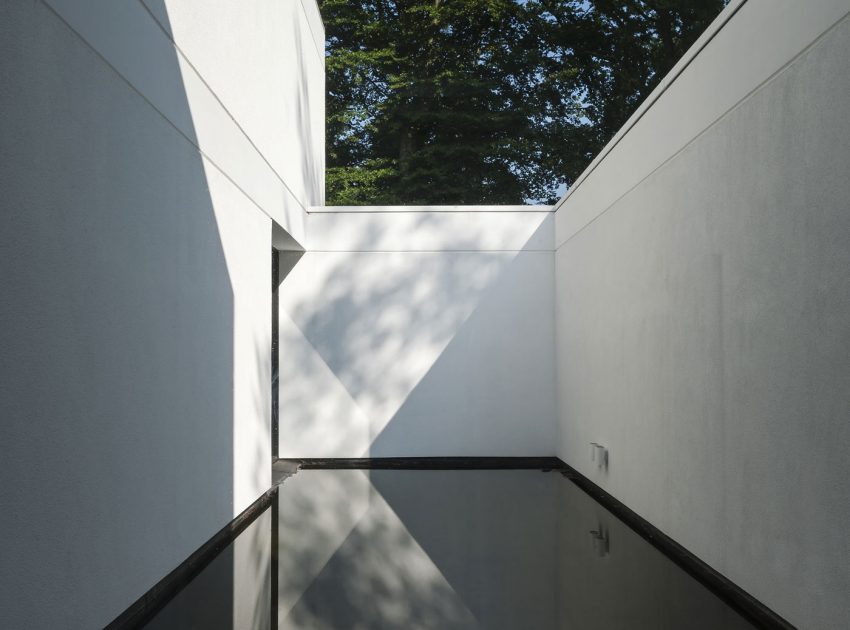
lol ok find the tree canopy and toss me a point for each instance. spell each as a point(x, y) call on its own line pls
point(487, 101)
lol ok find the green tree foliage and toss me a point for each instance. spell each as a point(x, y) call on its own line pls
point(487, 101)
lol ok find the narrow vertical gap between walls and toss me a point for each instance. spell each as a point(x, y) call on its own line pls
point(275, 340)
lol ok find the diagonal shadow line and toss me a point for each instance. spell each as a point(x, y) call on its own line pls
point(492, 289)
point(431, 504)
point(444, 343)
point(352, 396)
point(375, 493)
point(166, 30)
point(375, 439)
point(486, 291)
point(421, 547)
point(318, 572)
point(546, 223)
point(324, 362)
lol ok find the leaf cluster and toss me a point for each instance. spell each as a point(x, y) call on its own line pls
point(487, 101)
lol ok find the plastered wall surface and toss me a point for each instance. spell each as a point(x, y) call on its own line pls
point(702, 311)
point(693, 281)
point(281, 110)
point(139, 211)
point(249, 98)
point(419, 332)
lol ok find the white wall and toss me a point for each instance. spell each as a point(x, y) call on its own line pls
point(703, 307)
point(419, 331)
point(141, 185)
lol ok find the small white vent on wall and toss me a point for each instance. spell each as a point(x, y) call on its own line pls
point(599, 454)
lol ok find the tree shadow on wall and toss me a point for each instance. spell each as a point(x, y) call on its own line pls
point(401, 338)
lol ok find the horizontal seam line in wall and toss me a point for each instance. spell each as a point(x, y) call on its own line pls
point(155, 108)
point(469, 212)
point(220, 102)
point(319, 50)
point(708, 128)
point(644, 108)
point(427, 251)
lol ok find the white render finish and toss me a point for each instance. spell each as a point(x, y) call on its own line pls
point(686, 305)
point(141, 195)
point(280, 108)
point(427, 230)
point(703, 292)
point(262, 125)
point(748, 43)
point(419, 332)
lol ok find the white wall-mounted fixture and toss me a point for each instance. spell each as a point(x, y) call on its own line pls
point(599, 454)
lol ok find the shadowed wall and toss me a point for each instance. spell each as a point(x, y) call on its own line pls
point(140, 191)
point(703, 308)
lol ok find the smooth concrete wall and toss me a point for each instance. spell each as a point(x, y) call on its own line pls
point(139, 210)
point(703, 307)
point(245, 84)
point(267, 70)
point(419, 331)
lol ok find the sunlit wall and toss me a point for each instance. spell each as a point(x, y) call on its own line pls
point(420, 331)
point(150, 152)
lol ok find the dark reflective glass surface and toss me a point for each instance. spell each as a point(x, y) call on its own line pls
point(460, 549)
